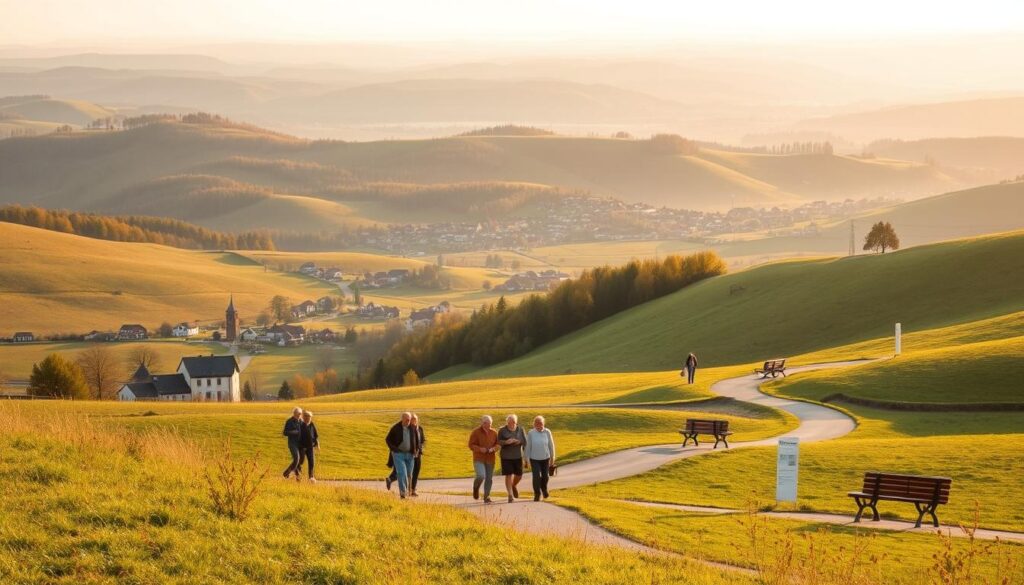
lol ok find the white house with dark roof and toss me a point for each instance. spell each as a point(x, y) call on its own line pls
point(212, 378)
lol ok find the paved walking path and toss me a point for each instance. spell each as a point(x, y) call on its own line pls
point(817, 423)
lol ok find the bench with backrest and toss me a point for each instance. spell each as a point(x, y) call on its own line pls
point(719, 429)
point(925, 492)
point(773, 368)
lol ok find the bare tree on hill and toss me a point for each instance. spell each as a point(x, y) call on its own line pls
point(100, 367)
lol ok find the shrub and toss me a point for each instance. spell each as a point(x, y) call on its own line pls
point(235, 484)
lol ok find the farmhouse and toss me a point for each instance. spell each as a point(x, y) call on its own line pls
point(332, 274)
point(303, 309)
point(24, 337)
point(200, 379)
point(375, 311)
point(185, 330)
point(288, 334)
point(249, 334)
point(422, 317)
point(307, 268)
point(132, 332)
point(95, 335)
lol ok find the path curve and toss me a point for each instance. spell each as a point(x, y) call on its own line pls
point(817, 423)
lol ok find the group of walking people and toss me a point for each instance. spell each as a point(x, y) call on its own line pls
point(303, 440)
point(517, 449)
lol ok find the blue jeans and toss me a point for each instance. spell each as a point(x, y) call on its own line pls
point(403, 468)
point(484, 473)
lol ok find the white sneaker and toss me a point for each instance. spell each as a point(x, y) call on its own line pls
point(312, 480)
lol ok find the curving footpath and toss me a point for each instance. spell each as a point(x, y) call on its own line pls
point(817, 423)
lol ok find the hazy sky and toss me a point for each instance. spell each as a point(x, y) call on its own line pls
point(33, 22)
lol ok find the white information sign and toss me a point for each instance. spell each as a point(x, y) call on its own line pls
point(787, 466)
point(899, 339)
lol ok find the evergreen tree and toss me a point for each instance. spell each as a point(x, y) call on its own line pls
point(58, 377)
point(247, 392)
point(285, 393)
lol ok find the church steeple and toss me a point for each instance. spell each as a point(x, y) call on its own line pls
point(231, 320)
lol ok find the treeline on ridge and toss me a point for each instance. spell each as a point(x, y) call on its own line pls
point(497, 333)
point(135, 228)
point(492, 197)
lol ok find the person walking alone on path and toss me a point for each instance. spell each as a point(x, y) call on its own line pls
point(691, 368)
point(512, 439)
point(403, 442)
point(292, 429)
point(540, 452)
point(483, 442)
point(309, 440)
point(417, 458)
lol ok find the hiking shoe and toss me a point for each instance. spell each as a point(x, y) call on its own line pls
point(536, 498)
point(545, 495)
point(403, 496)
point(286, 474)
point(387, 482)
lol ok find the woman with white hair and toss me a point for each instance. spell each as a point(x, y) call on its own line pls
point(512, 440)
point(540, 452)
point(483, 442)
point(309, 440)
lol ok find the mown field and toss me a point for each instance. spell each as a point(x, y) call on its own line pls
point(52, 282)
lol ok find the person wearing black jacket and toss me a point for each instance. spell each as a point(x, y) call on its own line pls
point(403, 442)
point(417, 458)
point(691, 368)
point(309, 440)
point(292, 429)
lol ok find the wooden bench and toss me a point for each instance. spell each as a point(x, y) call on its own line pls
point(926, 493)
point(719, 429)
point(773, 367)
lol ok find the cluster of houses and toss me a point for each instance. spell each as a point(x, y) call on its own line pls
point(530, 280)
point(384, 279)
point(332, 274)
point(309, 308)
point(417, 318)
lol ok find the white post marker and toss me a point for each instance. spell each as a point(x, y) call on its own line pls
point(899, 341)
point(788, 463)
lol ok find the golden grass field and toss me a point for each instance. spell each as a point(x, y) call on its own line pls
point(54, 283)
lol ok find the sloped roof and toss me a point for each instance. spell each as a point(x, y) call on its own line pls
point(163, 385)
point(141, 374)
point(206, 366)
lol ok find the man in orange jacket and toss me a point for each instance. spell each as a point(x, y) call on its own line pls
point(483, 442)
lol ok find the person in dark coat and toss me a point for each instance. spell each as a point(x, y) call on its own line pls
point(292, 429)
point(691, 368)
point(403, 442)
point(309, 440)
point(414, 423)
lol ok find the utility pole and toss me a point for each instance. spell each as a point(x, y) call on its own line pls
point(853, 250)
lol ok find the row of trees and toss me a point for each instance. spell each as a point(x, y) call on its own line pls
point(801, 148)
point(498, 332)
point(135, 228)
point(97, 372)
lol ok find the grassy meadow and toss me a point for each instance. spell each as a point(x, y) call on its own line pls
point(85, 502)
point(795, 307)
point(52, 282)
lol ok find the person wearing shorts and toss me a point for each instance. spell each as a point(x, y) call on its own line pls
point(512, 439)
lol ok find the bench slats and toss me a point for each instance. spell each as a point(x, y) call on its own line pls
point(925, 492)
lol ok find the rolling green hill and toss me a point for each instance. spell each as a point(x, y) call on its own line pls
point(52, 282)
point(794, 307)
point(82, 170)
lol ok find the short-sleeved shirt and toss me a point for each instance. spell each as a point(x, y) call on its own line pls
point(512, 451)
